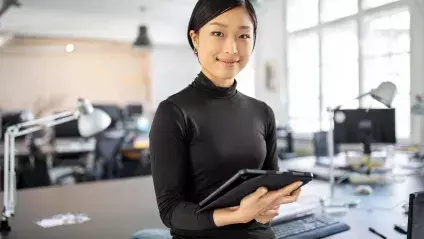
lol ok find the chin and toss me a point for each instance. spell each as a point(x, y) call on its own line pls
point(227, 73)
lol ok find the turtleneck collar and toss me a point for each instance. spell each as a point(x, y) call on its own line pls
point(202, 82)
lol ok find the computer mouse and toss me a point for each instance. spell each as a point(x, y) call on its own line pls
point(364, 189)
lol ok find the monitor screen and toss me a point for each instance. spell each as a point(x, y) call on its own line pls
point(354, 126)
point(416, 216)
point(67, 130)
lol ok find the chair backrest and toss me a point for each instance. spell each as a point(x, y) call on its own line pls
point(108, 152)
point(320, 144)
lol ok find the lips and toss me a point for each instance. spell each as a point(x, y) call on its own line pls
point(227, 61)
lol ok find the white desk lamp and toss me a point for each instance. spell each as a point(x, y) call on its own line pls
point(384, 93)
point(91, 121)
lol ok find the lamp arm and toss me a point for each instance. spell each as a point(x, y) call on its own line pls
point(46, 119)
point(329, 109)
point(9, 188)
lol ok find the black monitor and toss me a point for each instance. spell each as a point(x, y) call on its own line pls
point(9, 119)
point(67, 130)
point(366, 126)
point(133, 109)
point(114, 111)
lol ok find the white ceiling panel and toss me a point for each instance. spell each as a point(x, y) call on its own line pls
point(100, 19)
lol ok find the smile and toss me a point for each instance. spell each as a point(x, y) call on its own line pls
point(227, 62)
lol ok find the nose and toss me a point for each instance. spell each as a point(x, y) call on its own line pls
point(230, 46)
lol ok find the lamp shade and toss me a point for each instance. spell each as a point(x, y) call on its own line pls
point(91, 121)
point(385, 93)
point(142, 39)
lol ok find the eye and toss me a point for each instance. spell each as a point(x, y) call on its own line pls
point(218, 34)
point(245, 36)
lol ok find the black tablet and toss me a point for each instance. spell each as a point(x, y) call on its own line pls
point(247, 181)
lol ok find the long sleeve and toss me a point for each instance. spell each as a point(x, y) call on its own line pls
point(169, 158)
point(271, 160)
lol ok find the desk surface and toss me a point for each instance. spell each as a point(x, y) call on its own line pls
point(119, 208)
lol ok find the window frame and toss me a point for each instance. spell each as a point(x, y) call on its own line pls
point(358, 18)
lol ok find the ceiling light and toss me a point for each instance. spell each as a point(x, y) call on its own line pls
point(70, 48)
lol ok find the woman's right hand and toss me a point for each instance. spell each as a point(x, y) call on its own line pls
point(254, 204)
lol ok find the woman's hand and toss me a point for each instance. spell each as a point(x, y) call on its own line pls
point(267, 216)
point(261, 201)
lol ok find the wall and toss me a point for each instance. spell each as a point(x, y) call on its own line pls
point(173, 68)
point(417, 69)
point(270, 49)
point(39, 70)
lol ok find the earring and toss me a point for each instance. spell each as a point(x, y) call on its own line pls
point(195, 50)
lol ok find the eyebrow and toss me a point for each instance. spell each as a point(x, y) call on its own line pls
point(223, 25)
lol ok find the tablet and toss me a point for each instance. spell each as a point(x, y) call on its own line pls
point(247, 181)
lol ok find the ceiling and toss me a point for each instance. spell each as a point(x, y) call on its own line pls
point(100, 19)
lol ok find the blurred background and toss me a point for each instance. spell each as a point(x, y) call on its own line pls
point(127, 56)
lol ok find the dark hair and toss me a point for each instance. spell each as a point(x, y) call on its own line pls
point(206, 10)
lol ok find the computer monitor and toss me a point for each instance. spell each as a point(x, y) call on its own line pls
point(67, 130)
point(415, 228)
point(133, 109)
point(366, 126)
point(114, 111)
point(9, 119)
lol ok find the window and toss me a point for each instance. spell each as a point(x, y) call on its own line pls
point(303, 78)
point(386, 58)
point(301, 14)
point(375, 3)
point(335, 9)
point(339, 67)
point(338, 53)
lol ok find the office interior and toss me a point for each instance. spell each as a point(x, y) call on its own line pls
point(127, 56)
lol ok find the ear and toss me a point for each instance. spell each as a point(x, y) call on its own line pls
point(194, 38)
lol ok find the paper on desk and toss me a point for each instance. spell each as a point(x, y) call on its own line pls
point(63, 219)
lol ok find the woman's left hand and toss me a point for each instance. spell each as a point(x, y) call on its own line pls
point(268, 215)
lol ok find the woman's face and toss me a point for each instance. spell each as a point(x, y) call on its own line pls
point(224, 44)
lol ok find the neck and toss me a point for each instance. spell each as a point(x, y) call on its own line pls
point(225, 83)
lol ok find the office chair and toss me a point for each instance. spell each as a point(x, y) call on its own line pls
point(320, 144)
point(108, 159)
point(286, 134)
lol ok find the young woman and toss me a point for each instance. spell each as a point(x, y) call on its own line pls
point(204, 134)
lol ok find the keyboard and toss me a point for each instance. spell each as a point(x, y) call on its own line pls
point(308, 227)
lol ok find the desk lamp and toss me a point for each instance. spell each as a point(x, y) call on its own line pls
point(91, 121)
point(384, 93)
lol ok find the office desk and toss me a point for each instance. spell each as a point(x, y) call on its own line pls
point(119, 208)
point(116, 208)
point(64, 145)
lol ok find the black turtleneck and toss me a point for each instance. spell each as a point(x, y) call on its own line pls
point(199, 138)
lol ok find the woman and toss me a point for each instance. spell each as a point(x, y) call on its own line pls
point(204, 134)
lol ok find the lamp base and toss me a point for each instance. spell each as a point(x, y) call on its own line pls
point(4, 226)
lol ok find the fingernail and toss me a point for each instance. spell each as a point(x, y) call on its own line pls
point(299, 184)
